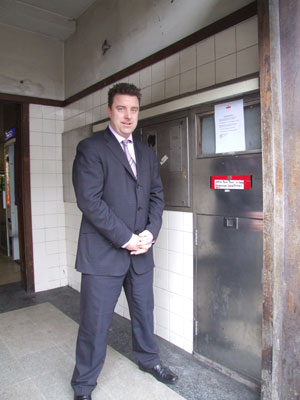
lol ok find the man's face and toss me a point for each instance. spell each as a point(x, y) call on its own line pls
point(124, 114)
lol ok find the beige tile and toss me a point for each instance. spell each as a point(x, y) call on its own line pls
point(188, 58)
point(172, 65)
point(158, 72)
point(206, 51)
point(226, 68)
point(145, 77)
point(158, 92)
point(206, 75)
point(135, 79)
point(247, 33)
point(172, 87)
point(146, 96)
point(225, 42)
point(247, 61)
point(188, 81)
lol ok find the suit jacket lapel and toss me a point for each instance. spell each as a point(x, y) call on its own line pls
point(116, 149)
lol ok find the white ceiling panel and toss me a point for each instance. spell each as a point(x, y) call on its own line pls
point(55, 18)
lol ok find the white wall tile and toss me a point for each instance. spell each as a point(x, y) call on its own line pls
point(176, 284)
point(161, 278)
point(36, 125)
point(175, 241)
point(158, 92)
point(162, 317)
point(161, 258)
point(175, 262)
point(35, 111)
point(175, 220)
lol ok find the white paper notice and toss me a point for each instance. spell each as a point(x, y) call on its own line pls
point(230, 127)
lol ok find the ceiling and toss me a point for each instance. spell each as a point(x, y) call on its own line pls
point(54, 18)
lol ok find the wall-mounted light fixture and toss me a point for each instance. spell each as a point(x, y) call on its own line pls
point(105, 46)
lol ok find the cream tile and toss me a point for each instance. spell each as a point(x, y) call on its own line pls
point(176, 339)
point(206, 75)
point(247, 61)
point(206, 51)
point(188, 81)
point(135, 79)
point(172, 65)
point(158, 92)
point(172, 87)
point(226, 68)
point(225, 43)
point(188, 59)
point(188, 265)
point(96, 98)
point(158, 72)
point(146, 96)
point(247, 33)
point(145, 77)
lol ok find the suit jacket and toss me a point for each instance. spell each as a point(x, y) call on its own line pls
point(115, 204)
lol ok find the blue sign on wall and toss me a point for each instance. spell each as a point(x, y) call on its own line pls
point(9, 134)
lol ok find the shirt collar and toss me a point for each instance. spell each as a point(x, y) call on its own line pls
point(117, 136)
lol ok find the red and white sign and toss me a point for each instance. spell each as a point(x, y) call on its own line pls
point(231, 182)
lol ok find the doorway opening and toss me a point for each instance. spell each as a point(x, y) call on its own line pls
point(16, 256)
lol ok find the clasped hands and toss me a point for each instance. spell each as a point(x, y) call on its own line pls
point(139, 244)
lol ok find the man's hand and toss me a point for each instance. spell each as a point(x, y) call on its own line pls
point(133, 243)
point(144, 244)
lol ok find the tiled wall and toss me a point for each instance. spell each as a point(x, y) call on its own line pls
point(48, 213)
point(225, 56)
point(230, 54)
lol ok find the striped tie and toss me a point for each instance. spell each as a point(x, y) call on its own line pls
point(129, 158)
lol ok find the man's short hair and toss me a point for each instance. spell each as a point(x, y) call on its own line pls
point(123, 88)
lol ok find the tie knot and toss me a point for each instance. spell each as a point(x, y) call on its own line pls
point(126, 141)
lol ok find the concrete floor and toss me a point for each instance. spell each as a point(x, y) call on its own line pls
point(9, 270)
point(37, 341)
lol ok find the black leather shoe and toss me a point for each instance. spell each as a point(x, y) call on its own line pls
point(162, 374)
point(89, 397)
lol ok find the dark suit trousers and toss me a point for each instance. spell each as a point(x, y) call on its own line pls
point(98, 297)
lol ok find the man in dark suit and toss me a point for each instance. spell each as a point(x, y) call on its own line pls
point(119, 191)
